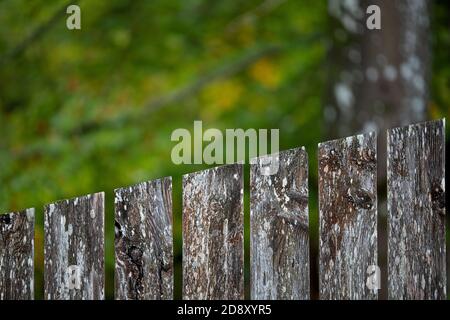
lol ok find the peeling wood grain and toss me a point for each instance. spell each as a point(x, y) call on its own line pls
point(279, 228)
point(348, 216)
point(17, 255)
point(213, 231)
point(143, 241)
point(416, 211)
point(74, 249)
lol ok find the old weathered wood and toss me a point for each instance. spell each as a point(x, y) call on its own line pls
point(74, 249)
point(17, 255)
point(213, 231)
point(143, 241)
point(279, 249)
point(348, 216)
point(416, 211)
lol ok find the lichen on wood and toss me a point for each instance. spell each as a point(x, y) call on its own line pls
point(143, 241)
point(279, 227)
point(74, 249)
point(416, 211)
point(17, 255)
point(213, 231)
point(348, 216)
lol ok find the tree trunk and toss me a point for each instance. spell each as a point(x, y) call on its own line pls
point(379, 78)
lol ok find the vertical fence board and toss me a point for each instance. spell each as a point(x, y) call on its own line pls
point(213, 231)
point(416, 209)
point(74, 249)
point(143, 241)
point(17, 255)
point(348, 216)
point(279, 224)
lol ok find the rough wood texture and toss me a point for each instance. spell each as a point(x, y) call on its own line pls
point(279, 227)
point(74, 249)
point(348, 216)
point(143, 241)
point(416, 208)
point(213, 231)
point(17, 255)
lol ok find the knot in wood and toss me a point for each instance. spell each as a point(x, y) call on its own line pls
point(360, 199)
point(5, 219)
point(117, 230)
point(135, 254)
point(438, 198)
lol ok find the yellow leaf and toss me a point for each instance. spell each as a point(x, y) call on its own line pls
point(221, 96)
point(266, 73)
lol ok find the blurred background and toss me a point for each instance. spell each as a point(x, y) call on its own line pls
point(91, 110)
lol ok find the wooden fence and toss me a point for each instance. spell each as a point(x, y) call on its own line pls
point(213, 229)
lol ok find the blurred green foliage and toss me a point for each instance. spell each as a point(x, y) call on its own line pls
point(91, 110)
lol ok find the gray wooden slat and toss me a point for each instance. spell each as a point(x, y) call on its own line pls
point(279, 224)
point(213, 231)
point(143, 241)
point(74, 249)
point(416, 211)
point(17, 255)
point(348, 217)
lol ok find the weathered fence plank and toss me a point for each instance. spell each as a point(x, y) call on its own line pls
point(74, 249)
point(17, 255)
point(143, 241)
point(279, 224)
point(416, 211)
point(213, 231)
point(348, 216)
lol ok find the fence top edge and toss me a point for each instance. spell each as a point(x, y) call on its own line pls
point(134, 185)
point(236, 164)
point(361, 135)
point(86, 196)
point(418, 124)
point(29, 212)
point(254, 160)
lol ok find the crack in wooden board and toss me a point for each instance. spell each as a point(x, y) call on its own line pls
point(143, 241)
point(74, 249)
point(279, 228)
point(416, 211)
point(17, 255)
point(213, 232)
point(347, 217)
